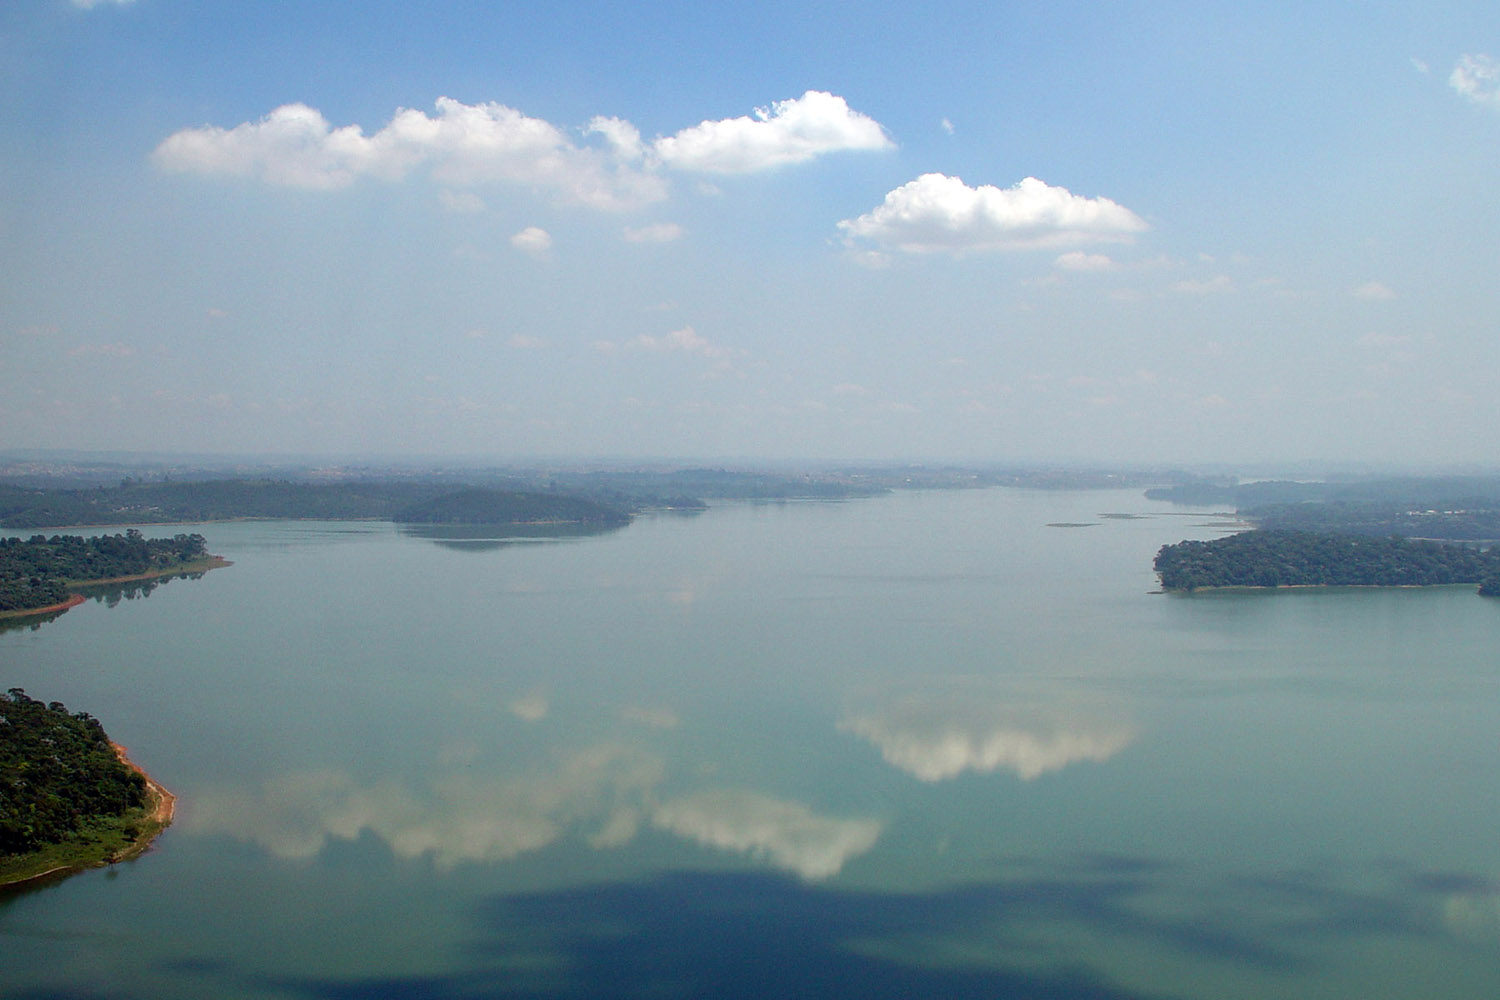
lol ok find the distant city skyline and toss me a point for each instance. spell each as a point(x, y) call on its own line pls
point(1137, 233)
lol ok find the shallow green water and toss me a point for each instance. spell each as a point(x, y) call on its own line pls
point(923, 745)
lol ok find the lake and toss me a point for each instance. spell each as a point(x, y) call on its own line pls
point(931, 744)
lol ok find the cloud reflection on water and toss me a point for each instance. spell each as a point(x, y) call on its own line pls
point(787, 834)
point(604, 795)
point(934, 736)
point(458, 818)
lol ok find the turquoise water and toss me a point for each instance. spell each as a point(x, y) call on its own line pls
point(918, 745)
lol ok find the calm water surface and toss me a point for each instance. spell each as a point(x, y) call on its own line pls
point(924, 745)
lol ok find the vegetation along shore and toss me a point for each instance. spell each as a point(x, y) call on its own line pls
point(42, 574)
point(70, 798)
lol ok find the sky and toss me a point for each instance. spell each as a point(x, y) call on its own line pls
point(1126, 232)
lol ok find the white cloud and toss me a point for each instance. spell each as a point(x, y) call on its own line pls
point(1077, 260)
point(624, 139)
point(1477, 77)
point(533, 240)
point(791, 131)
point(1374, 291)
point(947, 126)
point(462, 144)
point(786, 834)
point(523, 342)
point(91, 4)
point(937, 213)
point(660, 232)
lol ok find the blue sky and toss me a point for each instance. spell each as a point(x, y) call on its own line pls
point(1146, 232)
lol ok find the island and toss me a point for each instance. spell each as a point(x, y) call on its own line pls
point(43, 574)
point(70, 799)
point(1278, 558)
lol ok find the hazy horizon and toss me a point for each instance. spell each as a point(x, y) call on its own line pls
point(1143, 234)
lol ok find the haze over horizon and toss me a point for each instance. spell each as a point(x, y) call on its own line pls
point(1149, 232)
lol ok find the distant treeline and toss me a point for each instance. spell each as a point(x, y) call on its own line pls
point(39, 571)
point(134, 502)
point(147, 503)
point(58, 773)
point(481, 506)
point(1460, 508)
point(1271, 558)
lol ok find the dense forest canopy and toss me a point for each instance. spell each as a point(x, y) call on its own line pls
point(39, 571)
point(1307, 559)
point(58, 772)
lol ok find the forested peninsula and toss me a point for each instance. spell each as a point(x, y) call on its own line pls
point(44, 573)
point(482, 506)
point(69, 798)
point(1276, 558)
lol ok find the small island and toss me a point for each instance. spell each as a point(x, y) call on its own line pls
point(1275, 558)
point(69, 798)
point(45, 574)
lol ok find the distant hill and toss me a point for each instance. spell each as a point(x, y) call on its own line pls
point(215, 500)
point(1459, 508)
point(484, 506)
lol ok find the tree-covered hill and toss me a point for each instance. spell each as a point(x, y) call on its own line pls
point(1308, 559)
point(58, 775)
point(39, 571)
point(482, 506)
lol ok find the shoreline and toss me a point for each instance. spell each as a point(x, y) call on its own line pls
point(72, 602)
point(160, 809)
point(1230, 587)
point(75, 598)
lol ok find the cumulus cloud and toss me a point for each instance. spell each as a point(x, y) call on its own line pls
point(938, 736)
point(1477, 78)
point(792, 131)
point(938, 213)
point(460, 145)
point(661, 232)
point(532, 240)
point(624, 139)
point(785, 834)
